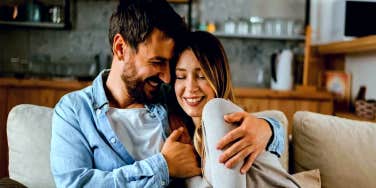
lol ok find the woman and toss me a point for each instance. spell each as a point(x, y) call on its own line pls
point(202, 74)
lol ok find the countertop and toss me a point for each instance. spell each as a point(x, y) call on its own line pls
point(44, 83)
point(240, 92)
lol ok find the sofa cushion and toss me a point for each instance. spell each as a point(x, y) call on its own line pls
point(308, 179)
point(29, 135)
point(343, 150)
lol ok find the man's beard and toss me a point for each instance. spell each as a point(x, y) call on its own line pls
point(136, 90)
point(137, 93)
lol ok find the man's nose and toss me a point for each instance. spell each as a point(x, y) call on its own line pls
point(165, 75)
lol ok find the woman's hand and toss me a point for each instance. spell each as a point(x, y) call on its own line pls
point(246, 142)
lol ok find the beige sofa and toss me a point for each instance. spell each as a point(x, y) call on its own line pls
point(343, 150)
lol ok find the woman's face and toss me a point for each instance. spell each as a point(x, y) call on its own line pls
point(192, 88)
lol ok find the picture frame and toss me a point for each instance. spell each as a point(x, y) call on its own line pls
point(339, 84)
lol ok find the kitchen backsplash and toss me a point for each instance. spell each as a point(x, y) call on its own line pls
point(249, 58)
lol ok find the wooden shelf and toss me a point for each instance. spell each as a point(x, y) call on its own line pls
point(270, 37)
point(358, 45)
point(274, 94)
point(352, 116)
point(34, 24)
point(178, 1)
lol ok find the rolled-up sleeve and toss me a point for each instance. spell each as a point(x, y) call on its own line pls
point(277, 141)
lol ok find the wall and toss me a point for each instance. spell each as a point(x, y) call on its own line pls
point(327, 20)
point(248, 56)
point(219, 10)
point(88, 36)
point(362, 66)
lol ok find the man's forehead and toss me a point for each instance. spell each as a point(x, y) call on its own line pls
point(158, 35)
point(163, 47)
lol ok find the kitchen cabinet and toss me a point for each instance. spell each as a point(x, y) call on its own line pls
point(3, 139)
point(53, 14)
point(289, 102)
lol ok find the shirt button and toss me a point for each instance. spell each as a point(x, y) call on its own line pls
point(98, 112)
point(163, 183)
point(113, 140)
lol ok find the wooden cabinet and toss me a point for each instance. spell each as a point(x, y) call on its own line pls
point(254, 100)
point(38, 92)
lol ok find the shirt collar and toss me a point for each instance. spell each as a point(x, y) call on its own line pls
point(99, 94)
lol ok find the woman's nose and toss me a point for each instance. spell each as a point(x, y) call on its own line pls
point(192, 84)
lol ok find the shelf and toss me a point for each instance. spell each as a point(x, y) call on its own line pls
point(275, 94)
point(352, 116)
point(178, 1)
point(358, 45)
point(270, 37)
point(34, 24)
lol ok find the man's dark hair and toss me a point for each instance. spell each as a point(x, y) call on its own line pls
point(136, 19)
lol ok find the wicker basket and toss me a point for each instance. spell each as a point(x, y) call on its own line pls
point(366, 109)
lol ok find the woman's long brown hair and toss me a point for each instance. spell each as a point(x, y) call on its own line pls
point(214, 65)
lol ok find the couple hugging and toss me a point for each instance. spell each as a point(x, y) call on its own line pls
point(154, 119)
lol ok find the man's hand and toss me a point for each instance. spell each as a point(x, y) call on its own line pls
point(245, 142)
point(180, 157)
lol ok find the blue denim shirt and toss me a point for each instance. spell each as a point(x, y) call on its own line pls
point(85, 151)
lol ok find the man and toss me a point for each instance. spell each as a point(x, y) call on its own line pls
point(115, 133)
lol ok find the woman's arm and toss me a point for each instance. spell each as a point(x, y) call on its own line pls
point(214, 128)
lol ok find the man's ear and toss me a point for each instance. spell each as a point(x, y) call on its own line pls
point(119, 46)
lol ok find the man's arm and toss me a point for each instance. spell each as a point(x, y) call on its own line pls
point(251, 138)
point(73, 166)
point(276, 143)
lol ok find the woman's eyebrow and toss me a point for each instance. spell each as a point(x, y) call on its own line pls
point(180, 69)
point(183, 69)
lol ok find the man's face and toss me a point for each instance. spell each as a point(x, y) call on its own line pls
point(148, 68)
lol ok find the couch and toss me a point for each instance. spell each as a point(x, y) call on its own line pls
point(343, 150)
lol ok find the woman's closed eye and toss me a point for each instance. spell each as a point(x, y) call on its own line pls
point(180, 77)
point(201, 76)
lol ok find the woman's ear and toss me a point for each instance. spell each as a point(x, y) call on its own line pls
point(119, 46)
